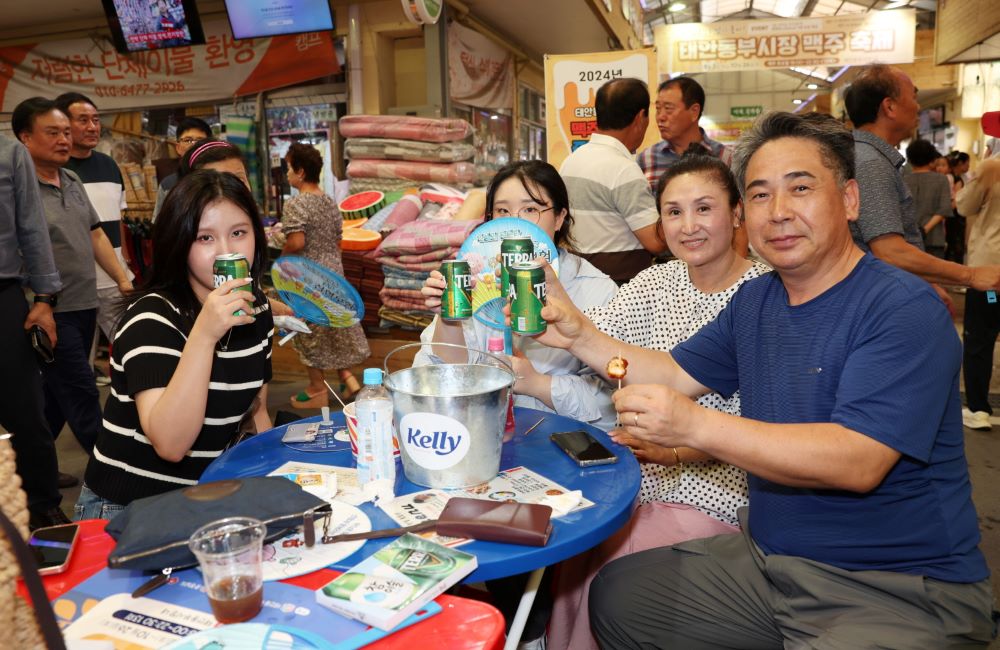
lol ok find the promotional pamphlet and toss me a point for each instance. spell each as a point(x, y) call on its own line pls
point(343, 480)
point(418, 507)
point(396, 582)
point(517, 484)
point(102, 608)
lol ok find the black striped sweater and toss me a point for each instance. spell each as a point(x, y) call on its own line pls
point(145, 353)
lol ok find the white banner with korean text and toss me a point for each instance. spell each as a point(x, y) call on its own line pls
point(724, 46)
point(480, 72)
point(221, 69)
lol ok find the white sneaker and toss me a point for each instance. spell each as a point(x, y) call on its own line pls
point(979, 420)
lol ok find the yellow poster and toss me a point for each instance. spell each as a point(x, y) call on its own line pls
point(571, 83)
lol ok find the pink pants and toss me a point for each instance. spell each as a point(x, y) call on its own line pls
point(651, 526)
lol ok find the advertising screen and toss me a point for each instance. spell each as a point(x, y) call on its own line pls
point(138, 25)
point(261, 18)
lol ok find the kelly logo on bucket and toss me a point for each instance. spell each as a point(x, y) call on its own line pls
point(434, 441)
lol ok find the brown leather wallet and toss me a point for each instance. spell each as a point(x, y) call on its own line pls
point(491, 521)
point(513, 523)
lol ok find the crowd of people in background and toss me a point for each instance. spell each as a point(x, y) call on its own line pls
point(793, 387)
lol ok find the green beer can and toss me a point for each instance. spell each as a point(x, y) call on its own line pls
point(456, 303)
point(527, 293)
point(513, 250)
point(231, 266)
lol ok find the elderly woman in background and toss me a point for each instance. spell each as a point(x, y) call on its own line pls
point(313, 228)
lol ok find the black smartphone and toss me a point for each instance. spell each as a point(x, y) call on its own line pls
point(583, 448)
point(53, 547)
point(42, 344)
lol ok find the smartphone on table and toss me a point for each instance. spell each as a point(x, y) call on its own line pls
point(53, 547)
point(583, 448)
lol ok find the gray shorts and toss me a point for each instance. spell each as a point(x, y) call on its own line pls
point(722, 592)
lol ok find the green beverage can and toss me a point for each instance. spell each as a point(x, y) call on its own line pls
point(418, 563)
point(527, 292)
point(513, 250)
point(231, 266)
point(456, 303)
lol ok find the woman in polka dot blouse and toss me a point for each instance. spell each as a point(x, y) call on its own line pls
point(684, 493)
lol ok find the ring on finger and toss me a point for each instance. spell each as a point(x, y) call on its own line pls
point(635, 419)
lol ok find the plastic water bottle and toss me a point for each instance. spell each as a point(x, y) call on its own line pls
point(373, 408)
point(495, 344)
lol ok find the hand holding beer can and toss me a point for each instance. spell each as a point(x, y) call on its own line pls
point(456, 302)
point(527, 294)
point(231, 266)
point(513, 250)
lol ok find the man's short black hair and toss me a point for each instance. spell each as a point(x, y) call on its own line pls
point(865, 94)
point(22, 120)
point(836, 144)
point(921, 153)
point(618, 102)
point(65, 100)
point(691, 92)
point(194, 123)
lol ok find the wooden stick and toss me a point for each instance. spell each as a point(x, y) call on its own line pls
point(335, 395)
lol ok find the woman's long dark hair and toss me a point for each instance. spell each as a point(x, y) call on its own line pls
point(176, 228)
point(544, 175)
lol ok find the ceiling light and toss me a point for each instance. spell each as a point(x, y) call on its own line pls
point(677, 6)
point(812, 86)
point(796, 101)
point(896, 4)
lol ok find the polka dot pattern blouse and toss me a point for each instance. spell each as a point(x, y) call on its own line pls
point(658, 309)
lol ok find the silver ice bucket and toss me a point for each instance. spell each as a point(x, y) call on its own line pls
point(450, 417)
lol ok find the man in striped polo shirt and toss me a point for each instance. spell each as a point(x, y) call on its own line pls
point(105, 188)
point(615, 215)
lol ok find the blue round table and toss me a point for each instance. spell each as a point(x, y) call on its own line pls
point(613, 488)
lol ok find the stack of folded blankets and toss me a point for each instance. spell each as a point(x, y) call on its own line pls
point(408, 256)
point(364, 272)
point(393, 152)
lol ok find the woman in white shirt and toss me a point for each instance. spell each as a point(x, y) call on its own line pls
point(547, 379)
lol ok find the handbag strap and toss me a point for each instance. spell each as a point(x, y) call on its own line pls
point(383, 532)
point(44, 616)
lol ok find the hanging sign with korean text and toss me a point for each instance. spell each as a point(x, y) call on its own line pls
point(480, 72)
point(853, 39)
point(221, 69)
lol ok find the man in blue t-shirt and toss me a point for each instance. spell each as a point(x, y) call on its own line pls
point(861, 531)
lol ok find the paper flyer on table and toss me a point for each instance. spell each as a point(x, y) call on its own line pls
point(418, 507)
point(102, 608)
point(140, 623)
point(516, 484)
point(344, 479)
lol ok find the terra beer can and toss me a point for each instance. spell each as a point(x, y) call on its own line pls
point(456, 303)
point(513, 250)
point(527, 292)
point(231, 266)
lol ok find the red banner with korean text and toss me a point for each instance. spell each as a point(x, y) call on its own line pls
point(769, 44)
point(221, 69)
